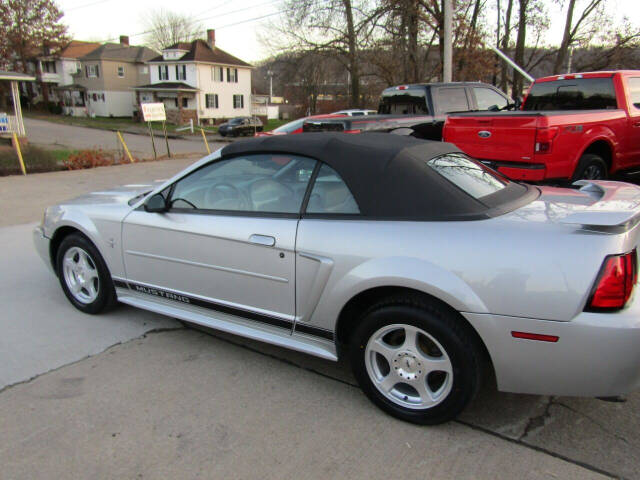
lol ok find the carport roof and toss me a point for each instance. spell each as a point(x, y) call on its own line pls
point(17, 76)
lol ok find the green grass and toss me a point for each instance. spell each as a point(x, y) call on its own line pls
point(35, 159)
point(62, 154)
point(274, 123)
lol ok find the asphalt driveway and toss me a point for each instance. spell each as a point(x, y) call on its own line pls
point(174, 402)
point(56, 135)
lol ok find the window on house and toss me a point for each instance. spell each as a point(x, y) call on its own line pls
point(185, 102)
point(211, 100)
point(121, 71)
point(232, 75)
point(163, 72)
point(49, 67)
point(217, 74)
point(238, 101)
point(93, 71)
point(181, 72)
point(175, 101)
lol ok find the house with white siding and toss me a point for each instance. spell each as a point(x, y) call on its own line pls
point(198, 81)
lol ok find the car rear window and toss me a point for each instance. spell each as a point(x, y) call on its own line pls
point(470, 176)
point(572, 94)
point(402, 102)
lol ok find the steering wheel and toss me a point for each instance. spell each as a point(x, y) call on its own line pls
point(225, 191)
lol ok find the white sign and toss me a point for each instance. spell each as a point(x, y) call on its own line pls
point(153, 112)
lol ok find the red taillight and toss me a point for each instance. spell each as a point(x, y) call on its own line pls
point(615, 283)
point(535, 336)
point(402, 87)
point(351, 131)
point(544, 139)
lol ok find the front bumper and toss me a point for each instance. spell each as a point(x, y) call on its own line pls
point(42, 246)
point(596, 355)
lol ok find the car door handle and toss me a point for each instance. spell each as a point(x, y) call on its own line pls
point(265, 240)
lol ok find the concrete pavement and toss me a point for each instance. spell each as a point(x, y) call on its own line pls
point(187, 405)
point(181, 404)
point(49, 134)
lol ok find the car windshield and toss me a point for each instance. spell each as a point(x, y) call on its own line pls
point(468, 175)
point(235, 121)
point(290, 127)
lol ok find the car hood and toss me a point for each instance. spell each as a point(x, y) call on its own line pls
point(116, 195)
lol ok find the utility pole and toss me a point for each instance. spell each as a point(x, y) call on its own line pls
point(447, 50)
point(270, 73)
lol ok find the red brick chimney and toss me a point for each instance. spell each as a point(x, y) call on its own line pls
point(211, 37)
point(124, 40)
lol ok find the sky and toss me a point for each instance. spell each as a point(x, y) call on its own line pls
point(237, 22)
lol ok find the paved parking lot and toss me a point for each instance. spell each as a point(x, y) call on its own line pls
point(137, 395)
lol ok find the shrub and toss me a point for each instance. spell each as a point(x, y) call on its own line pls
point(36, 160)
point(89, 159)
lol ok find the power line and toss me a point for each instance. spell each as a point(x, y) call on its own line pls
point(85, 5)
point(222, 15)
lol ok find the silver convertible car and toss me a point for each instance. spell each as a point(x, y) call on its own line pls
point(421, 265)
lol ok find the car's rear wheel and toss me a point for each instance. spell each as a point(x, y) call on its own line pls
point(416, 361)
point(590, 167)
point(83, 275)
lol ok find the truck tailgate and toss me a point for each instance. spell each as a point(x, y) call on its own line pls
point(499, 137)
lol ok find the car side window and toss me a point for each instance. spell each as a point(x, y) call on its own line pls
point(330, 195)
point(267, 183)
point(451, 99)
point(485, 98)
point(634, 91)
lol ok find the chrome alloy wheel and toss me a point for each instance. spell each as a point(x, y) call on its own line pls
point(408, 366)
point(81, 275)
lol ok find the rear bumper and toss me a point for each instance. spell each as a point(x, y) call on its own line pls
point(42, 246)
point(531, 172)
point(596, 355)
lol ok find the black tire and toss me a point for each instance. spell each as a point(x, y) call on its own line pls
point(590, 167)
point(459, 344)
point(106, 295)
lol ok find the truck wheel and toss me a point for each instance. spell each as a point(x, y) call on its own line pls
point(415, 360)
point(590, 167)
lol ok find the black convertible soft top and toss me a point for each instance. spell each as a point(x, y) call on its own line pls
point(388, 174)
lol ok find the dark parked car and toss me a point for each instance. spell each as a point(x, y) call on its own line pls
point(420, 110)
point(240, 126)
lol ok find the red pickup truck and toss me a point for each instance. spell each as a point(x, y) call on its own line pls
point(573, 126)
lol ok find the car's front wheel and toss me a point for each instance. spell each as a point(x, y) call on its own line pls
point(83, 275)
point(415, 360)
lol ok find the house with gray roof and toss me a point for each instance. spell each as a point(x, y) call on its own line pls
point(198, 81)
point(107, 77)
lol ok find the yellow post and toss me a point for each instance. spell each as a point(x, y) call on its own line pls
point(204, 137)
point(19, 152)
point(126, 149)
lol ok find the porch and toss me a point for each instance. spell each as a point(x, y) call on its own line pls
point(180, 101)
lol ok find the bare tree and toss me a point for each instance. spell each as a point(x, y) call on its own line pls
point(167, 28)
point(580, 31)
point(336, 28)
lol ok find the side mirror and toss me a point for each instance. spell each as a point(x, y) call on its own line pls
point(156, 204)
point(494, 108)
point(518, 103)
